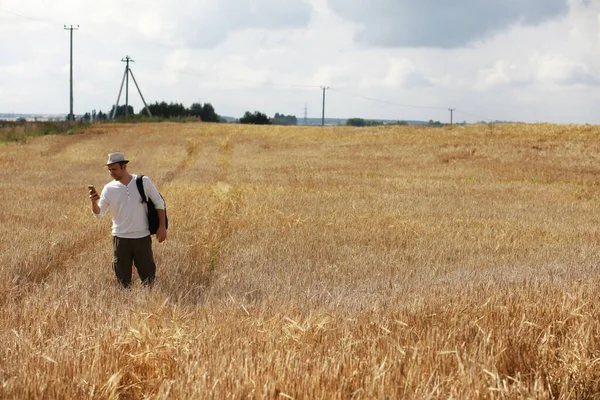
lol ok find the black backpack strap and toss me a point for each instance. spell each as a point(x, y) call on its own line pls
point(140, 186)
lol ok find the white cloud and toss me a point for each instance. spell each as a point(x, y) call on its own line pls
point(403, 73)
point(502, 73)
point(153, 26)
point(560, 70)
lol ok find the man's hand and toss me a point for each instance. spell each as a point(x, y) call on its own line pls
point(161, 234)
point(94, 197)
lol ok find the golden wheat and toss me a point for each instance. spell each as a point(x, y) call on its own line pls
point(309, 263)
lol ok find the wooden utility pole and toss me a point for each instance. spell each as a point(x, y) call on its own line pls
point(125, 81)
point(305, 114)
point(127, 59)
point(451, 112)
point(71, 28)
point(324, 88)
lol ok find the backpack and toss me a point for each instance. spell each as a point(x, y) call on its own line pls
point(152, 214)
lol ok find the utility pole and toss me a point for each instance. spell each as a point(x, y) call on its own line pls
point(128, 72)
point(71, 28)
point(127, 59)
point(451, 112)
point(305, 114)
point(324, 88)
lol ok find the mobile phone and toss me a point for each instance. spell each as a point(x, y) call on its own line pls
point(91, 187)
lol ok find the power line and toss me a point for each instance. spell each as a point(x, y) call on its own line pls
point(275, 84)
point(452, 110)
point(342, 92)
point(387, 102)
point(22, 15)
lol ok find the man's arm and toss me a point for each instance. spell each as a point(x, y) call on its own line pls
point(161, 233)
point(153, 194)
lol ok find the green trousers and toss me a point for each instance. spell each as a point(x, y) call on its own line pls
point(133, 251)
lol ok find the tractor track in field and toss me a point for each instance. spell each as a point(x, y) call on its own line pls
point(192, 150)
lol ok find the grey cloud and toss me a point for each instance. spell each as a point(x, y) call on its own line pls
point(207, 30)
point(441, 24)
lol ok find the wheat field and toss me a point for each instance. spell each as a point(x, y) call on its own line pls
point(308, 263)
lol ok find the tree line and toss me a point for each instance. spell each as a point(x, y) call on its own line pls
point(258, 118)
point(202, 112)
point(163, 110)
point(206, 113)
point(369, 122)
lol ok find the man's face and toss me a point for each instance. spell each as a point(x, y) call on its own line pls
point(117, 171)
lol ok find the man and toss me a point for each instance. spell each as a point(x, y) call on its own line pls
point(132, 242)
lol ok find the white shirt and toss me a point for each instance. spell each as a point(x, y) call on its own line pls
point(124, 202)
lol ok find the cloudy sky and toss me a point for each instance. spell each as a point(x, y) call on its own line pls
point(512, 60)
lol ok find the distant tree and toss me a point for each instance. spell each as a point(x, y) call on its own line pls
point(120, 111)
point(178, 110)
point(101, 116)
point(170, 110)
point(433, 123)
point(159, 109)
point(281, 119)
point(205, 112)
point(256, 118)
point(356, 122)
point(209, 114)
point(402, 123)
point(363, 122)
point(196, 110)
